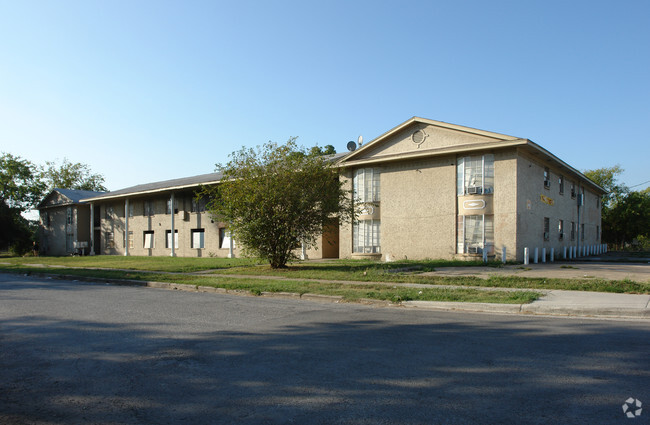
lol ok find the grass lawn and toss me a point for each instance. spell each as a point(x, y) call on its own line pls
point(343, 270)
point(349, 292)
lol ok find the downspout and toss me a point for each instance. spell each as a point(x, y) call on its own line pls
point(126, 227)
point(173, 232)
point(92, 228)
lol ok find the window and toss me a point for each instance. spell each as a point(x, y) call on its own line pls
point(169, 206)
point(547, 224)
point(110, 240)
point(573, 190)
point(573, 231)
point(168, 239)
point(130, 209)
point(475, 233)
point(366, 237)
point(547, 178)
point(130, 239)
point(198, 206)
point(560, 183)
point(366, 184)
point(560, 229)
point(198, 238)
point(224, 238)
point(148, 208)
point(475, 175)
point(582, 232)
point(148, 239)
point(69, 216)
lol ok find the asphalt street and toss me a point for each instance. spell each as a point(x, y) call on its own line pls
point(73, 352)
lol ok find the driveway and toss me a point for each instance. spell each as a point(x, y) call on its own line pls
point(74, 352)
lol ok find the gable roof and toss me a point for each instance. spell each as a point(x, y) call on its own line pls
point(67, 197)
point(492, 141)
point(157, 187)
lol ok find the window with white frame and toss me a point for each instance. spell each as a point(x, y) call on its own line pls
point(169, 206)
point(148, 239)
point(560, 229)
point(366, 237)
point(168, 239)
point(547, 178)
point(475, 234)
point(110, 240)
point(366, 184)
point(560, 183)
point(198, 238)
point(129, 239)
point(475, 175)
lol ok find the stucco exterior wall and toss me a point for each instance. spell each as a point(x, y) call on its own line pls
point(418, 209)
point(535, 202)
point(505, 203)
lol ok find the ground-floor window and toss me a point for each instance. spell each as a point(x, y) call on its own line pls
point(224, 238)
point(366, 237)
point(129, 239)
point(475, 234)
point(168, 239)
point(148, 239)
point(198, 238)
point(110, 240)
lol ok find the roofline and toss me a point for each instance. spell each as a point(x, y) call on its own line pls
point(147, 192)
point(475, 147)
point(376, 140)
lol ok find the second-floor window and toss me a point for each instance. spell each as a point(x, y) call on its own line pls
point(475, 175)
point(366, 185)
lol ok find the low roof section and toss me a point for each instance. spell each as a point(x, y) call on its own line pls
point(62, 197)
point(158, 187)
point(367, 154)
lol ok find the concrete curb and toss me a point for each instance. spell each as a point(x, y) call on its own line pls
point(539, 307)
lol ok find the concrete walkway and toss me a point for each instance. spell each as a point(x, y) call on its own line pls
point(553, 302)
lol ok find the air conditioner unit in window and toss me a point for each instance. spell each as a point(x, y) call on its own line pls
point(473, 249)
point(474, 190)
point(547, 183)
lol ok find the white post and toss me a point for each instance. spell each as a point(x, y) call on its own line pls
point(126, 227)
point(543, 255)
point(536, 256)
point(173, 231)
point(303, 251)
point(503, 255)
point(526, 256)
point(92, 228)
point(231, 246)
point(552, 255)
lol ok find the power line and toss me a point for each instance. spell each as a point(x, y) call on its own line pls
point(640, 184)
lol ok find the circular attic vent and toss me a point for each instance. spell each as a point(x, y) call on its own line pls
point(418, 137)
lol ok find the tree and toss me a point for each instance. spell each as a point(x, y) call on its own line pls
point(70, 175)
point(20, 190)
point(276, 197)
point(606, 178)
point(326, 150)
point(625, 214)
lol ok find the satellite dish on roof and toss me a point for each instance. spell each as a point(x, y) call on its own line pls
point(360, 140)
point(351, 146)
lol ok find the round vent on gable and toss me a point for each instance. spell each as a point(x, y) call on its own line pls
point(418, 137)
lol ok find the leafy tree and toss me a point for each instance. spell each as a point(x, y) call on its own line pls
point(326, 150)
point(70, 175)
point(606, 178)
point(276, 196)
point(625, 214)
point(20, 190)
point(628, 219)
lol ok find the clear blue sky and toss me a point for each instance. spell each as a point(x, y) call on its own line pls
point(144, 91)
